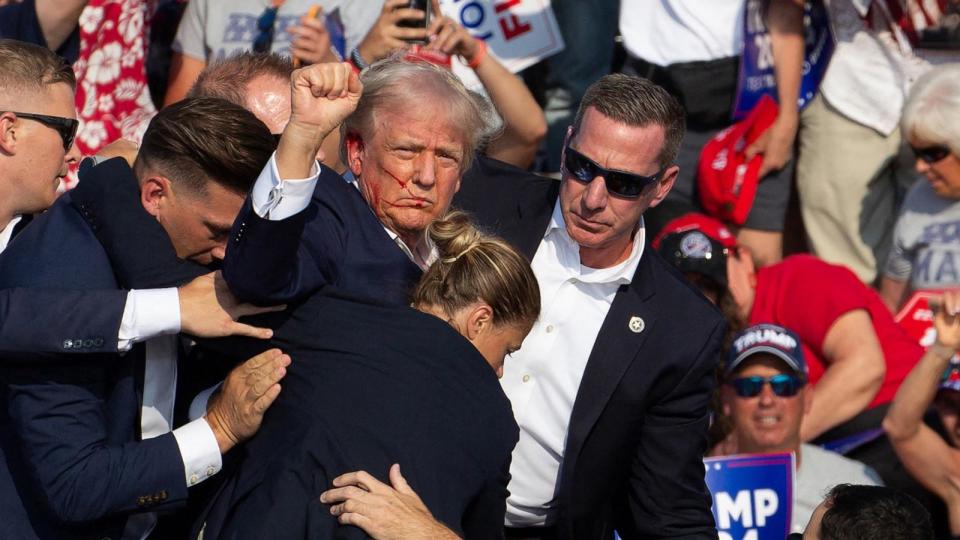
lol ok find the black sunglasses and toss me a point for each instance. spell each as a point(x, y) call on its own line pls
point(265, 24)
point(783, 385)
point(621, 183)
point(931, 154)
point(66, 127)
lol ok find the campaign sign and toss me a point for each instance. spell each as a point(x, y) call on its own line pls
point(752, 495)
point(916, 316)
point(757, 77)
point(518, 33)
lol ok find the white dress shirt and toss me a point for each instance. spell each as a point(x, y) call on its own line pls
point(543, 377)
point(275, 199)
point(665, 32)
point(7, 233)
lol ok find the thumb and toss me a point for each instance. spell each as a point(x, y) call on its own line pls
point(354, 86)
point(398, 482)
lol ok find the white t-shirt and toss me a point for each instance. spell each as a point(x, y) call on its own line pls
point(212, 29)
point(665, 32)
point(820, 470)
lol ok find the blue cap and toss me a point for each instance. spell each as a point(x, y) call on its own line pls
point(767, 338)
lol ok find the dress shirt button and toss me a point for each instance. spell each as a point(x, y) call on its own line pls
point(194, 479)
point(211, 471)
point(549, 328)
point(526, 378)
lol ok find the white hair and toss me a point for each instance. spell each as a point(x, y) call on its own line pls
point(932, 110)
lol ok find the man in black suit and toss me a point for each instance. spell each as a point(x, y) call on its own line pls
point(612, 385)
point(91, 448)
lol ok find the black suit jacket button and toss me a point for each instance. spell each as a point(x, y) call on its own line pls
point(141, 501)
point(68, 344)
point(87, 343)
point(98, 342)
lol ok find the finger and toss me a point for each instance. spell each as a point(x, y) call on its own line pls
point(358, 520)
point(409, 33)
point(391, 5)
point(266, 400)
point(338, 495)
point(362, 479)
point(398, 482)
point(261, 359)
point(316, 22)
point(435, 8)
point(246, 330)
point(445, 40)
point(354, 86)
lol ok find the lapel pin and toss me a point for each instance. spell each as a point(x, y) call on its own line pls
point(636, 324)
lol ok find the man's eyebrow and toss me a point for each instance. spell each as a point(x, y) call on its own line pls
point(218, 227)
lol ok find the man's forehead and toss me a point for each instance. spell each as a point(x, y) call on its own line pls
point(618, 145)
point(55, 99)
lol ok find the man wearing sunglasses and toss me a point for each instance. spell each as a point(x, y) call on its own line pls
point(765, 396)
point(38, 122)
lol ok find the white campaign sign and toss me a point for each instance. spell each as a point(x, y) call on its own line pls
point(518, 33)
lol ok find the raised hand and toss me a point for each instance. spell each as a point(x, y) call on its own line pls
point(323, 96)
point(947, 321)
point(235, 412)
point(387, 36)
point(310, 41)
point(208, 309)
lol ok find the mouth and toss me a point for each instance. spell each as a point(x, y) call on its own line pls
point(413, 202)
point(767, 420)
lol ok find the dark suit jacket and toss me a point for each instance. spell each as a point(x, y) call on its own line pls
point(634, 450)
point(372, 385)
point(345, 246)
point(71, 467)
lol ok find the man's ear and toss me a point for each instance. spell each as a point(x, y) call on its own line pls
point(479, 320)
point(665, 184)
point(8, 136)
point(155, 193)
point(355, 148)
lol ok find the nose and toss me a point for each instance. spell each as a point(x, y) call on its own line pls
point(921, 166)
point(219, 252)
point(766, 394)
point(595, 197)
point(426, 169)
point(73, 154)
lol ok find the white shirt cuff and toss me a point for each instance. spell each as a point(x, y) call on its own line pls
point(148, 313)
point(199, 451)
point(198, 407)
point(275, 198)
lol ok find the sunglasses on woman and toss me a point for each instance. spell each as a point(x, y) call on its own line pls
point(931, 154)
point(65, 127)
point(620, 183)
point(783, 385)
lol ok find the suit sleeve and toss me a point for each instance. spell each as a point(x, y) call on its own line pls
point(484, 517)
point(36, 322)
point(282, 261)
point(59, 418)
point(667, 495)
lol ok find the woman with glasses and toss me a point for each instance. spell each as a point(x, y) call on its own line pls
point(926, 243)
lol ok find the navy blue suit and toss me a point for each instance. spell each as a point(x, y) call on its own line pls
point(72, 466)
point(347, 248)
point(372, 385)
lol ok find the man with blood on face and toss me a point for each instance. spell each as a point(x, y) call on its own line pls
point(411, 131)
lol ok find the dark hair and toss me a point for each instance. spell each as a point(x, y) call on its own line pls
point(637, 102)
point(475, 266)
point(29, 67)
point(875, 513)
point(199, 140)
point(228, 78)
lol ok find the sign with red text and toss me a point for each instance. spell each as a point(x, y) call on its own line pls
point(518, 33)
point(916, 317)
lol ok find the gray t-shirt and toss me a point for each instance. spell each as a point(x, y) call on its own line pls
point(818, 472)
point(213, 29)
point(926, 241)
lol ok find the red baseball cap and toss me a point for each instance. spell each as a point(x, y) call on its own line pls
point(697, 244)
point(726, 181)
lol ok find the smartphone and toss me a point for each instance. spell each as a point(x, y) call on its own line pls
point(424, 6)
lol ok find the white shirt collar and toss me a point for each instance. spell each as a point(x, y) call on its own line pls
point(621, 273)
point(7, 233)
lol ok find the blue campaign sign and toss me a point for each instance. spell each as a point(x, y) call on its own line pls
point(752, 495)
point(756, 63)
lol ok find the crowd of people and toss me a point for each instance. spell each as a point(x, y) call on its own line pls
point(271, 269)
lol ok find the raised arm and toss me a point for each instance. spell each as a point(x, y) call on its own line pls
point(923, 452)
point(524, 124)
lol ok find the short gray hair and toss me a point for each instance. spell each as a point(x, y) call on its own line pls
point(396, 82)
point(637, 102)
point(932, 110)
